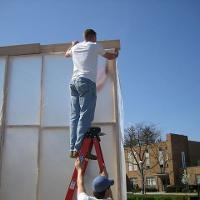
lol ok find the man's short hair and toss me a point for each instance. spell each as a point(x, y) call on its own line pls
point(99, 195)
point(89, 33)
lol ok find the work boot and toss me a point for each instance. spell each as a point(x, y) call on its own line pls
point(73, 154)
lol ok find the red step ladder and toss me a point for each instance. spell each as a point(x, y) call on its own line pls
point(91, 138)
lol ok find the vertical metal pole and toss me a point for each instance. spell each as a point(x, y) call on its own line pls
point(4, 114)
point(40, 127)
point(116, 130)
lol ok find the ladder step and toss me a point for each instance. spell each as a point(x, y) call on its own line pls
point(101, 134)
point(95, 130)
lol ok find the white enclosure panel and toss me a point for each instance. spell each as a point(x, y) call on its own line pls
point(24, 90)
point(35, 161)
point(104, 111)
point(56, 167)
point(19, 169)
point(57, 75)
point(2, 73)
point(105, 95)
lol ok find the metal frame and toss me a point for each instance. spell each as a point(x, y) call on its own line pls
point(4, 105)
point(36, 48)
point(117, 128)
point(53, 49)
point(40, 127)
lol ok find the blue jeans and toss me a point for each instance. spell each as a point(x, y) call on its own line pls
point(83, 103)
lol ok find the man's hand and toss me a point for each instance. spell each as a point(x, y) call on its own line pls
point(78, 164)
point(116, 52)
point(68, 52)
point(74, 43)
point(111, 55)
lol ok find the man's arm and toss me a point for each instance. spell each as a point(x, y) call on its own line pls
point(68, 52)
point(109, 192)
point(110, 55)
point(80, 181)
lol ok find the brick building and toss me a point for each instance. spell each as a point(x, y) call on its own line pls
point(166, 162)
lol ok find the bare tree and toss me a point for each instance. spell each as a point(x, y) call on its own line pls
point(137, 139)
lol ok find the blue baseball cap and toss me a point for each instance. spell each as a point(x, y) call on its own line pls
point(101, 183)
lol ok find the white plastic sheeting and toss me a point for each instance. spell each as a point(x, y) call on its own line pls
point(19, 169)
point(56, 105)
point(24, 90)
point(35, 157)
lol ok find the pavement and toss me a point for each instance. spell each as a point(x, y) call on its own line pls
point(166, 193)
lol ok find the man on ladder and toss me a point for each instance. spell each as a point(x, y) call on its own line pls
point(83, 87)
point(101, 185)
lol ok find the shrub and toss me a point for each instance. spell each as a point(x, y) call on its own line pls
point(156, 197)
point(174, 188)
point(181, 188)
point(151, 189)
point(136, 189)
point(171, 188)
point(193, 188)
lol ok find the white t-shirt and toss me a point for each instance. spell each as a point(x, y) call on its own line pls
point(84, 196)
point(84, 57)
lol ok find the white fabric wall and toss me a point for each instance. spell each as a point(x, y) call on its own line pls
point(35, 161)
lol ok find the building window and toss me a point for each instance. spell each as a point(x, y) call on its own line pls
point(147, 158)
point(132, 164)
point(133, 182)
point(151, 182)
point(198, 179)
point(161, 157)
point(183, 159)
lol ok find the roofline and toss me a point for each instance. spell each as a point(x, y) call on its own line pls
point(37, 48)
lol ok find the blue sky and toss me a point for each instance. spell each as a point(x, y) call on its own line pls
point(159, 61)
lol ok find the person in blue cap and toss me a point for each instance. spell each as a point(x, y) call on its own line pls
point(101, 185)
